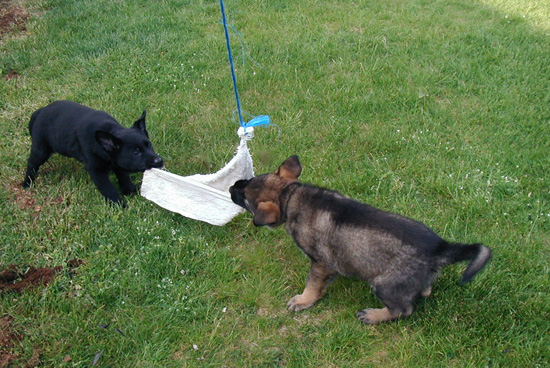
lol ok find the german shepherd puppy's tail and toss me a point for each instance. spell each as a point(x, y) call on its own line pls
point(477, 254)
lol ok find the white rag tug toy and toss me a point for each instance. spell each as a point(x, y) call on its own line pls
point(201, 197)
point(206, 197)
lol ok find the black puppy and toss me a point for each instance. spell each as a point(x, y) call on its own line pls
point(96, 139)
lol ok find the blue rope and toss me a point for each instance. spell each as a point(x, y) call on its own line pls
point(231, 64)
point(258, 120)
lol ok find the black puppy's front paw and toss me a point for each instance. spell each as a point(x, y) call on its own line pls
point(129, 190)
point(116, 203)
point(127, 187)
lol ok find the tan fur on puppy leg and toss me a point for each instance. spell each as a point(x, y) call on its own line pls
point(304, 300)
point(317, 281)
point(373, 316)
point(426, 293)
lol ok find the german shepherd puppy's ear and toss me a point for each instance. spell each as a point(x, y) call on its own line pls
point(290, 169)
point(267, 213)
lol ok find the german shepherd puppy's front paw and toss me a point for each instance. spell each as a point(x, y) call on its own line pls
point(299, 303)
point(368, 316)
point(373, 316)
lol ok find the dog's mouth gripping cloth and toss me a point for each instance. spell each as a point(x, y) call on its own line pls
point(206, 197)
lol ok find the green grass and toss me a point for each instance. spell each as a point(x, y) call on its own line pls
point(437, 110)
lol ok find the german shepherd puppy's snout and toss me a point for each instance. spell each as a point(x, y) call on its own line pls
point(96, 139)
point(398, 257)
point(237, 192)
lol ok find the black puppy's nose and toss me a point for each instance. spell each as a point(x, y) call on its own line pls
point(157, 162)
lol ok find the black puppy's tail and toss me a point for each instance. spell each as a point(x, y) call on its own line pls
point(33, 118)
point(477, 254)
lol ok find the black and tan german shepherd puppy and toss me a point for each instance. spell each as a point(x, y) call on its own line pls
point(400, 258)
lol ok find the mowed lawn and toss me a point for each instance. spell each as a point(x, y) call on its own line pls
point(438, 110)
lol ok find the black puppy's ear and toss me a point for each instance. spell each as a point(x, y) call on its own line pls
point(109, 142)
point(140, 124)
point(267, 213)
point(290, 169)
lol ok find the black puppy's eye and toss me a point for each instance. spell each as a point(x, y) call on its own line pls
point(148, 144)
point(137, 151)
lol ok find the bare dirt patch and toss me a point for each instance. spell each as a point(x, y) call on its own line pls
point(23, 198)
point(8, 338)
point(12, 16)
point(12, 279)
point(12, 74)
point(26, 201)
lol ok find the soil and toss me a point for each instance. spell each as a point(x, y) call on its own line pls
point(23, 198)
point(11, 75)
point(8, 338)
point(13, 280)
point(12, 16)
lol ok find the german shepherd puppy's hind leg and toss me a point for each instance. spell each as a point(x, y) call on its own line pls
point(319, 278)
point(427, 292)
point(396, 306)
